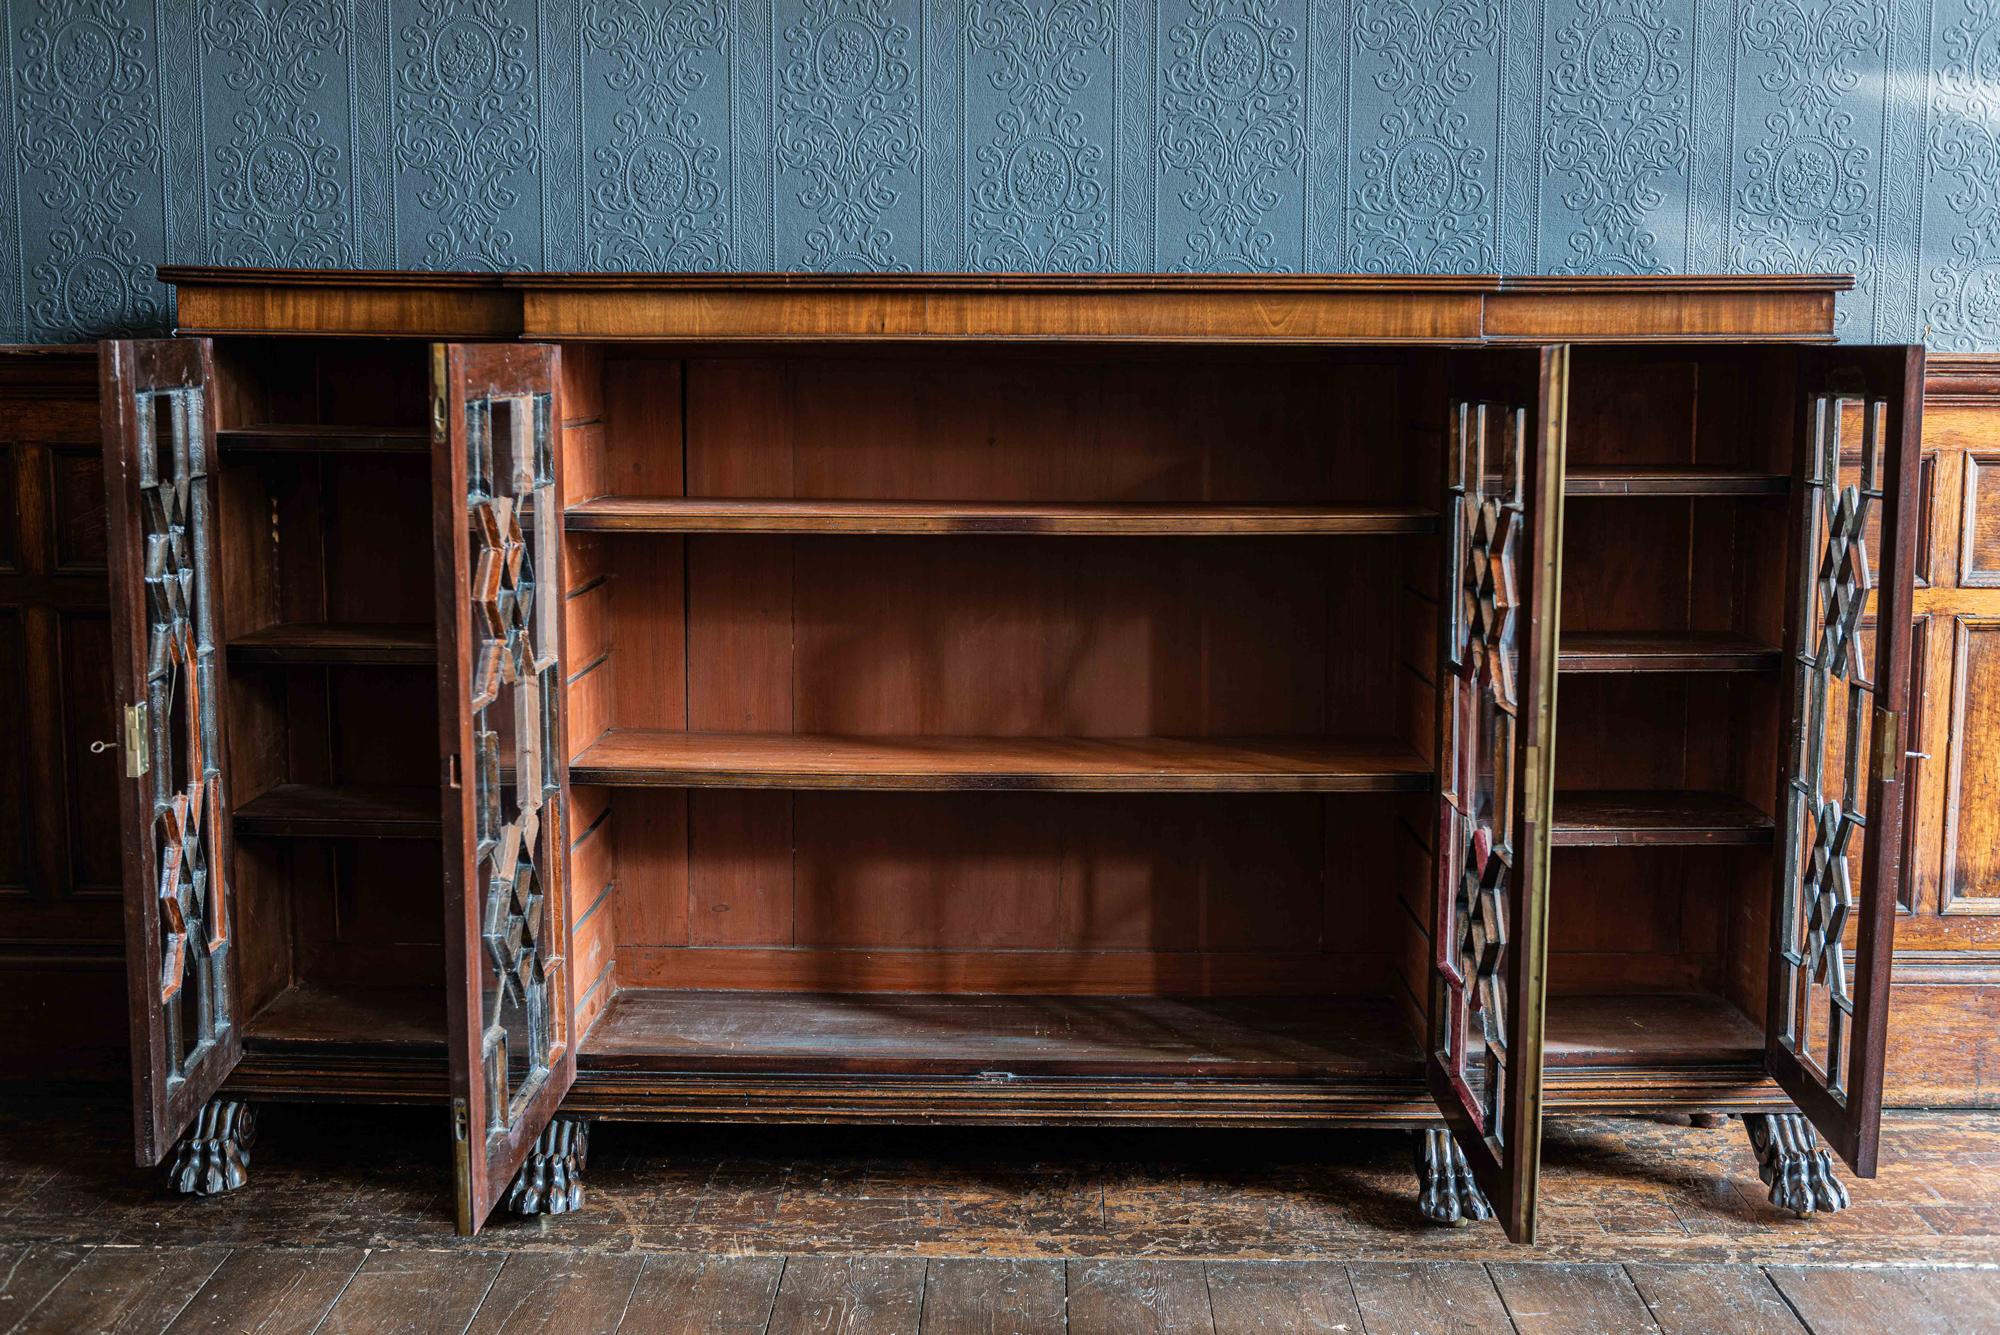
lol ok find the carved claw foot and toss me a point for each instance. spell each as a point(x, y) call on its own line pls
point(1794, 1165)
point(1446, 1193)
point(551, 1180)
point(214, 1155)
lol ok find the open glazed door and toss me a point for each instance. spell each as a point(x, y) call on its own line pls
point(1841, 769)
point(159, 455)
point(1499, 600)
point(506, 802)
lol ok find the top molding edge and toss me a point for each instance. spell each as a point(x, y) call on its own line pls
point(1274, 309)
point(1594, 284)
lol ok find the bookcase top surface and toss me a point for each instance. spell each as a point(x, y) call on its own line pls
point(1438, 309)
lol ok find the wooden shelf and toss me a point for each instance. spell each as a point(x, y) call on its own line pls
point(1613, 819)
point(337, 643)
point(1664, 651)
point(1650, 1030)
point(1672, 480)
point(318, 811)
point(991, 1036)
point(632, 757)
point(308, 438)
point(673, 514)
point(350, 1015)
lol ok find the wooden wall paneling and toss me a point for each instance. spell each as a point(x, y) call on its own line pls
point(1628, 409)
point(1363, 870)
point(583, 436)
point(739, 661)
point(1623, 731)
point(587, 622)
point(367, 382)
point(1008, 972)
point(647, 636)
point(363, 913)
point(1971, 880)
point(924, 871)
point(1947, 967)
point(593, 868)
point(651, 903)
point(1979, 531)
point(271, 904)
point(588, 692)
point(20, 858)
point(1131, 872)
point(374, 719)
point(1409, 962)
point(1934, 732)
point(61, 971)
point(377, 520)
point(1641, 916)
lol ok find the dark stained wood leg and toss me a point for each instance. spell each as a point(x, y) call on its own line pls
point(551, 1181)
point(1794, 1165)
point(1708, 1121)
point(1446, 1193)
point(214, 1155)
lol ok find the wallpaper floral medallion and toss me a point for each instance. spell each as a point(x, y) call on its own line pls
point(1628, 136)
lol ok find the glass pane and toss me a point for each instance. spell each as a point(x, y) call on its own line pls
point(1482, 728)
point(181, 729)
point(517, 780)
point(1834, 700)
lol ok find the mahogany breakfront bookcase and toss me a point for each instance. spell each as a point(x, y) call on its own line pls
point(1023, 699)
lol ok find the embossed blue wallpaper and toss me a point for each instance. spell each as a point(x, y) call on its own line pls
point(1397, 135)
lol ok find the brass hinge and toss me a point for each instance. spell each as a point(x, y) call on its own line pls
point(137, 758)
point(438, 367)
point(1888, 745)
point(1533, 794)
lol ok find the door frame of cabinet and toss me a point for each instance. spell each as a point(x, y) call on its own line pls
point(165, 587)
point(1499, 603)
point(1831, 575)
point(494, 419)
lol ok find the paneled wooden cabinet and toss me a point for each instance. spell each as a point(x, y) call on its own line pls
point(1128, 700)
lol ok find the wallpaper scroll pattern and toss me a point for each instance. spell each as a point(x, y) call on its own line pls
point(1077, 135)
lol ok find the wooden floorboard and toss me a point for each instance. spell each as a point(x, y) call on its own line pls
point(29, 1274)
point(849, 1295)
point(1246, 1297)
point(1876, 1302)
point(123, 1289)
point(703, 1295)
point(989, 1295)
point(1128, 1297)
point(270, 1291)
point(539, 1293)
point(414, 1292)
point(1545, 1299)
point(1427, 1298)
point(1701, 1299)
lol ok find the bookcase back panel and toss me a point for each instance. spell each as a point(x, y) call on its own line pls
point(1069, 426)
point(1719, 408)
point(1644, 919)
point(1005, 892)
point(1028, 637)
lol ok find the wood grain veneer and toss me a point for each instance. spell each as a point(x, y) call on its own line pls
point(1049, 764)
